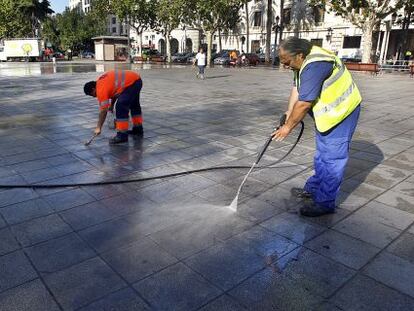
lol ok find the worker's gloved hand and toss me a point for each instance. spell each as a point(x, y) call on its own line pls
point(97, 131)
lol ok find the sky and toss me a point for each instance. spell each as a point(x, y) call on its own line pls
point(59, 5)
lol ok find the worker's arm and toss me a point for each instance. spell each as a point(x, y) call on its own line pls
point(293, 99)
point(299, 111)
point(101, 121)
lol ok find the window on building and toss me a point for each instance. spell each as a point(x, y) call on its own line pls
point(318, 14)
point(113, 20)
point(352, 42)
point(257, 19)
point(286, 16)
point(317, 42)
point(114, 29)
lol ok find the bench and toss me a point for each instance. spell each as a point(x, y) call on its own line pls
point(369, 67)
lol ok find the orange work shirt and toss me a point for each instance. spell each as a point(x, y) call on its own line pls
point(112, 83)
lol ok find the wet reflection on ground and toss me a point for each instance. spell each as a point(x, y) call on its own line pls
point(37, 69)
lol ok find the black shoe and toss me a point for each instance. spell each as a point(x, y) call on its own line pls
point(300, 193)
point(118, 140)
point(138, 131)
point(313, 209)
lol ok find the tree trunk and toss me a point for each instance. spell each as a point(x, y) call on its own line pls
point(282, 4)
point(140, 44)
point(367, 30)
point(209, 46)
point(168, 45)
point(219, 43)
point(268, 30)
point(246, 4)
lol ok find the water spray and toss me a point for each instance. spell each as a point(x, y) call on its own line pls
point(234, 203)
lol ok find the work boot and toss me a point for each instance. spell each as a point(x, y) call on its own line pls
point(118, 139)
point(136, 131)
point(312, 209)
point(300, 193)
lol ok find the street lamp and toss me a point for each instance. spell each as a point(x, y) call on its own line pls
point(329, 34)
point(276, 28)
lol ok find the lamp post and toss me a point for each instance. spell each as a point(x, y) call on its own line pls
point(276, 28)
point(329, 34)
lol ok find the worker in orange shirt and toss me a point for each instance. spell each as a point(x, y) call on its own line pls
point(118, 90)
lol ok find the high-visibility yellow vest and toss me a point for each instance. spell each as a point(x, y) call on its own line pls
point(339, 96)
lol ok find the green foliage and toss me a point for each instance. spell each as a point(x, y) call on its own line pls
point(21, 18)
point(50, 32)
point(76, 29)
point(211, 15)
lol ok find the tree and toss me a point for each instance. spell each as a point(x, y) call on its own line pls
point(211, 15)
point(35, 12)
point(77, 28)
point(302, 17)
point(247, 19)
point(404, 20)
point(12, 22)
point(50, 32)
point(363, 14)
point(169, 15)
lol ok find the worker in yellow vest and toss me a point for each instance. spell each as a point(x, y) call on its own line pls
point(324, 88)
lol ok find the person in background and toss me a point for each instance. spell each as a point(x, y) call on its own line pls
point(201, 61)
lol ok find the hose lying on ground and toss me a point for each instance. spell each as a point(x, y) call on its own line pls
point(126, 181)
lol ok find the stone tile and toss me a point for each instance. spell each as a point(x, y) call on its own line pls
point(343, 249)
point(83, 283)
point(60, 253)
point(223, 303)
point(264, 242)
point(7, 242)
point(40, 229)
point(405, 187)
point(397, 200)
point(176, 286)
point(188, 237)
point(13, 196)
point(350, 201)
point(31, 296)
point(138, 260)
point(258, 210)
point(64, 200)
point(386, 215)
point(331, 219)
point(269, 290)
point(2, 222)
point(279, 197)
point(367, 230)
point(15, 269)
point(363, 293)
point(392, 271)
point(403, 247)
point(217, 263)
point(293, 227)
point(382, 176)
point(87, 215)
point(316, 273)
point(364, 190)
point(123, 300)
point(27, 210)
point(111, 234)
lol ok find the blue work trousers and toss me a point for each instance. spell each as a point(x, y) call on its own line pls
point(331, 157)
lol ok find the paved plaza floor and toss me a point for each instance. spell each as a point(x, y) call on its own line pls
point(173, 244)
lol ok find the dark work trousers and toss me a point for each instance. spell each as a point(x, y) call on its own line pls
point(128, 102)
point(331, 157)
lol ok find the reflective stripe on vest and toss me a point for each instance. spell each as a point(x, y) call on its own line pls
point(119, 81)
point(339, 95)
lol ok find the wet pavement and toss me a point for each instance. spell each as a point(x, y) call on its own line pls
point(172, 244)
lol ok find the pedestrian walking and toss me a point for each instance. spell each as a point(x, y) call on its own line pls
point(201, 61)
point(324, 88)
point(119, 92)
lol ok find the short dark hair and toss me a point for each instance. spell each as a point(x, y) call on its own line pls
point(295, 46)
point(89, 87)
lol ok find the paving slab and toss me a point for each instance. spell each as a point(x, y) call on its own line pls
point(177, 288)
point(83, 283)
